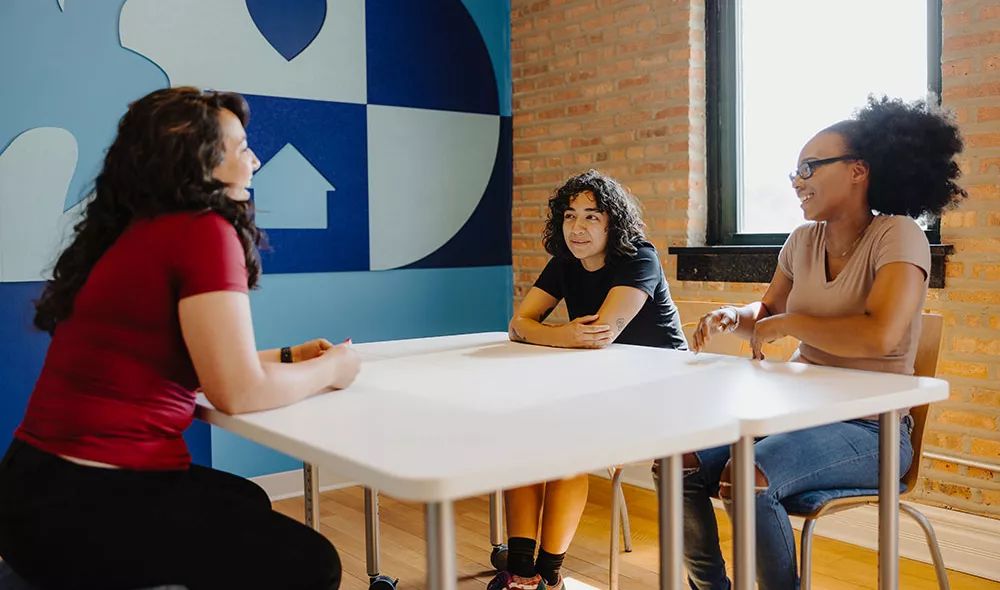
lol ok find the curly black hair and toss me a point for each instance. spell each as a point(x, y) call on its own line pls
point(910, 150)
point(161, 161)
point(625, 225)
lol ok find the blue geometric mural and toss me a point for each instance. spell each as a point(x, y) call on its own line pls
point(383, 128)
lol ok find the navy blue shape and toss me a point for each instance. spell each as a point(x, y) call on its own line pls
point(22, 353)
point(333, 138)
point(430, 55)
point(288, 26)
point(485, 239)
point(199, 441)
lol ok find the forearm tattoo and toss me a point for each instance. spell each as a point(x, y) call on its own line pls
point(621, 324)
point(516, 336)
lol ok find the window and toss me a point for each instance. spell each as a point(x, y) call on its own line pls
point(781, 70)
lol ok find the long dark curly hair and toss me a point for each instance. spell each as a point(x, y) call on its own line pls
point(910, 150)
point(161, 161)
point(625, 225)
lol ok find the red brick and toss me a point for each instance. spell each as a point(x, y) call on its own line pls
point(969, 41)
point(983, 140)
point(967, 419)
point(986, 397)
point(951, 442)
point(983, 245)
point(952, 21)
point(581, 10)
point(971, 91)
point(949, 489)
point(944, 466)
point(988, 449)
point(986, 272)
point(985, 114)
point(956, 68)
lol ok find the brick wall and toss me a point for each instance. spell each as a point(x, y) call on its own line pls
point(618, 85)
point(613, 85)
point(968, 423)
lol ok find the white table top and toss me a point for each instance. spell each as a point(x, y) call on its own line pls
point(467, 415)
point(443, 418)
point(766, 397)
point(772, 397)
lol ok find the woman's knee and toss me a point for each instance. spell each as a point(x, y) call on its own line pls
point(331, 566)
point(322, 558)
point(726, 481)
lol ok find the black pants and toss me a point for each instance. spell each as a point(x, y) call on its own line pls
point(65, 526)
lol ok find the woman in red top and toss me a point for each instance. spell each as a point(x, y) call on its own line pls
point(147, 304)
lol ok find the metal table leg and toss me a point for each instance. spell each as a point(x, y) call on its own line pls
point(888, 500)
point(310, 475)
point(744, 517)
point(498, 555)
point(496, 518)
point(670, 495)
point(441, 573)
point(371, 532)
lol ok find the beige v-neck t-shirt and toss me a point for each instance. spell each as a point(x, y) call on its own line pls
point(889, 238)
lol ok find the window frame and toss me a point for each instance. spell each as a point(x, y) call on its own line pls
point(722, 33)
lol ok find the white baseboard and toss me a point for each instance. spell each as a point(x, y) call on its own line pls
point(289, 484)
point(969, 543)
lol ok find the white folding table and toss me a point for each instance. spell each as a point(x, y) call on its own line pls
point(443, 405)
point(768, 398)
point(774, 397)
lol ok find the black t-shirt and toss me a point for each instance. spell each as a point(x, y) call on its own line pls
point(658, 323)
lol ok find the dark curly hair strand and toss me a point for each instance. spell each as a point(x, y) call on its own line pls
point(910, 150)
point(161, 161)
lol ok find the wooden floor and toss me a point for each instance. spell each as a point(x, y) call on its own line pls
point(836, 565)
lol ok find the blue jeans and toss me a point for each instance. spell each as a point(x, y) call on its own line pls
point(835, 456)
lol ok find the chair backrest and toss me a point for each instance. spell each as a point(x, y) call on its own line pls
point(924, 365)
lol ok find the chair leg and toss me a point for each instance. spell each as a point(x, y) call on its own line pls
point(805, 570)
point(626, 527)
point(616, 512)
point(932, 544)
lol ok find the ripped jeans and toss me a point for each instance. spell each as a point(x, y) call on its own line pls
point(835, 456)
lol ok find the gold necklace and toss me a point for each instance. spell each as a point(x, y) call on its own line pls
point(855, 243)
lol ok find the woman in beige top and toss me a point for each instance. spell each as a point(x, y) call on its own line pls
point(850, 285)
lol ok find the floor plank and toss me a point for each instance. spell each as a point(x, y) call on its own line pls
point(836, 565)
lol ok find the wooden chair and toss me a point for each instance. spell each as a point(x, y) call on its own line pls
point(813, 505)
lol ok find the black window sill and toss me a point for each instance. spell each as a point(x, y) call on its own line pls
point(756, 264)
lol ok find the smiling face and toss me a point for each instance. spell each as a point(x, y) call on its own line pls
point(585, 230)
point(833, 187)
point(238, 162)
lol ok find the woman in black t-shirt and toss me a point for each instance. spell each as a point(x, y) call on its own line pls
point(615, 291)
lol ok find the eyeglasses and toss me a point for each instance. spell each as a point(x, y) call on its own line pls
point(806, 169)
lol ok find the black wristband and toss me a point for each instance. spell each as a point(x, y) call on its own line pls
point(286, 354)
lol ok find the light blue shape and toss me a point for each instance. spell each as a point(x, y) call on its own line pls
point(444, 184)
point(289, 193)
point(35, 170)
point(364, 306)
point(67, 69)
point(493, 19)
